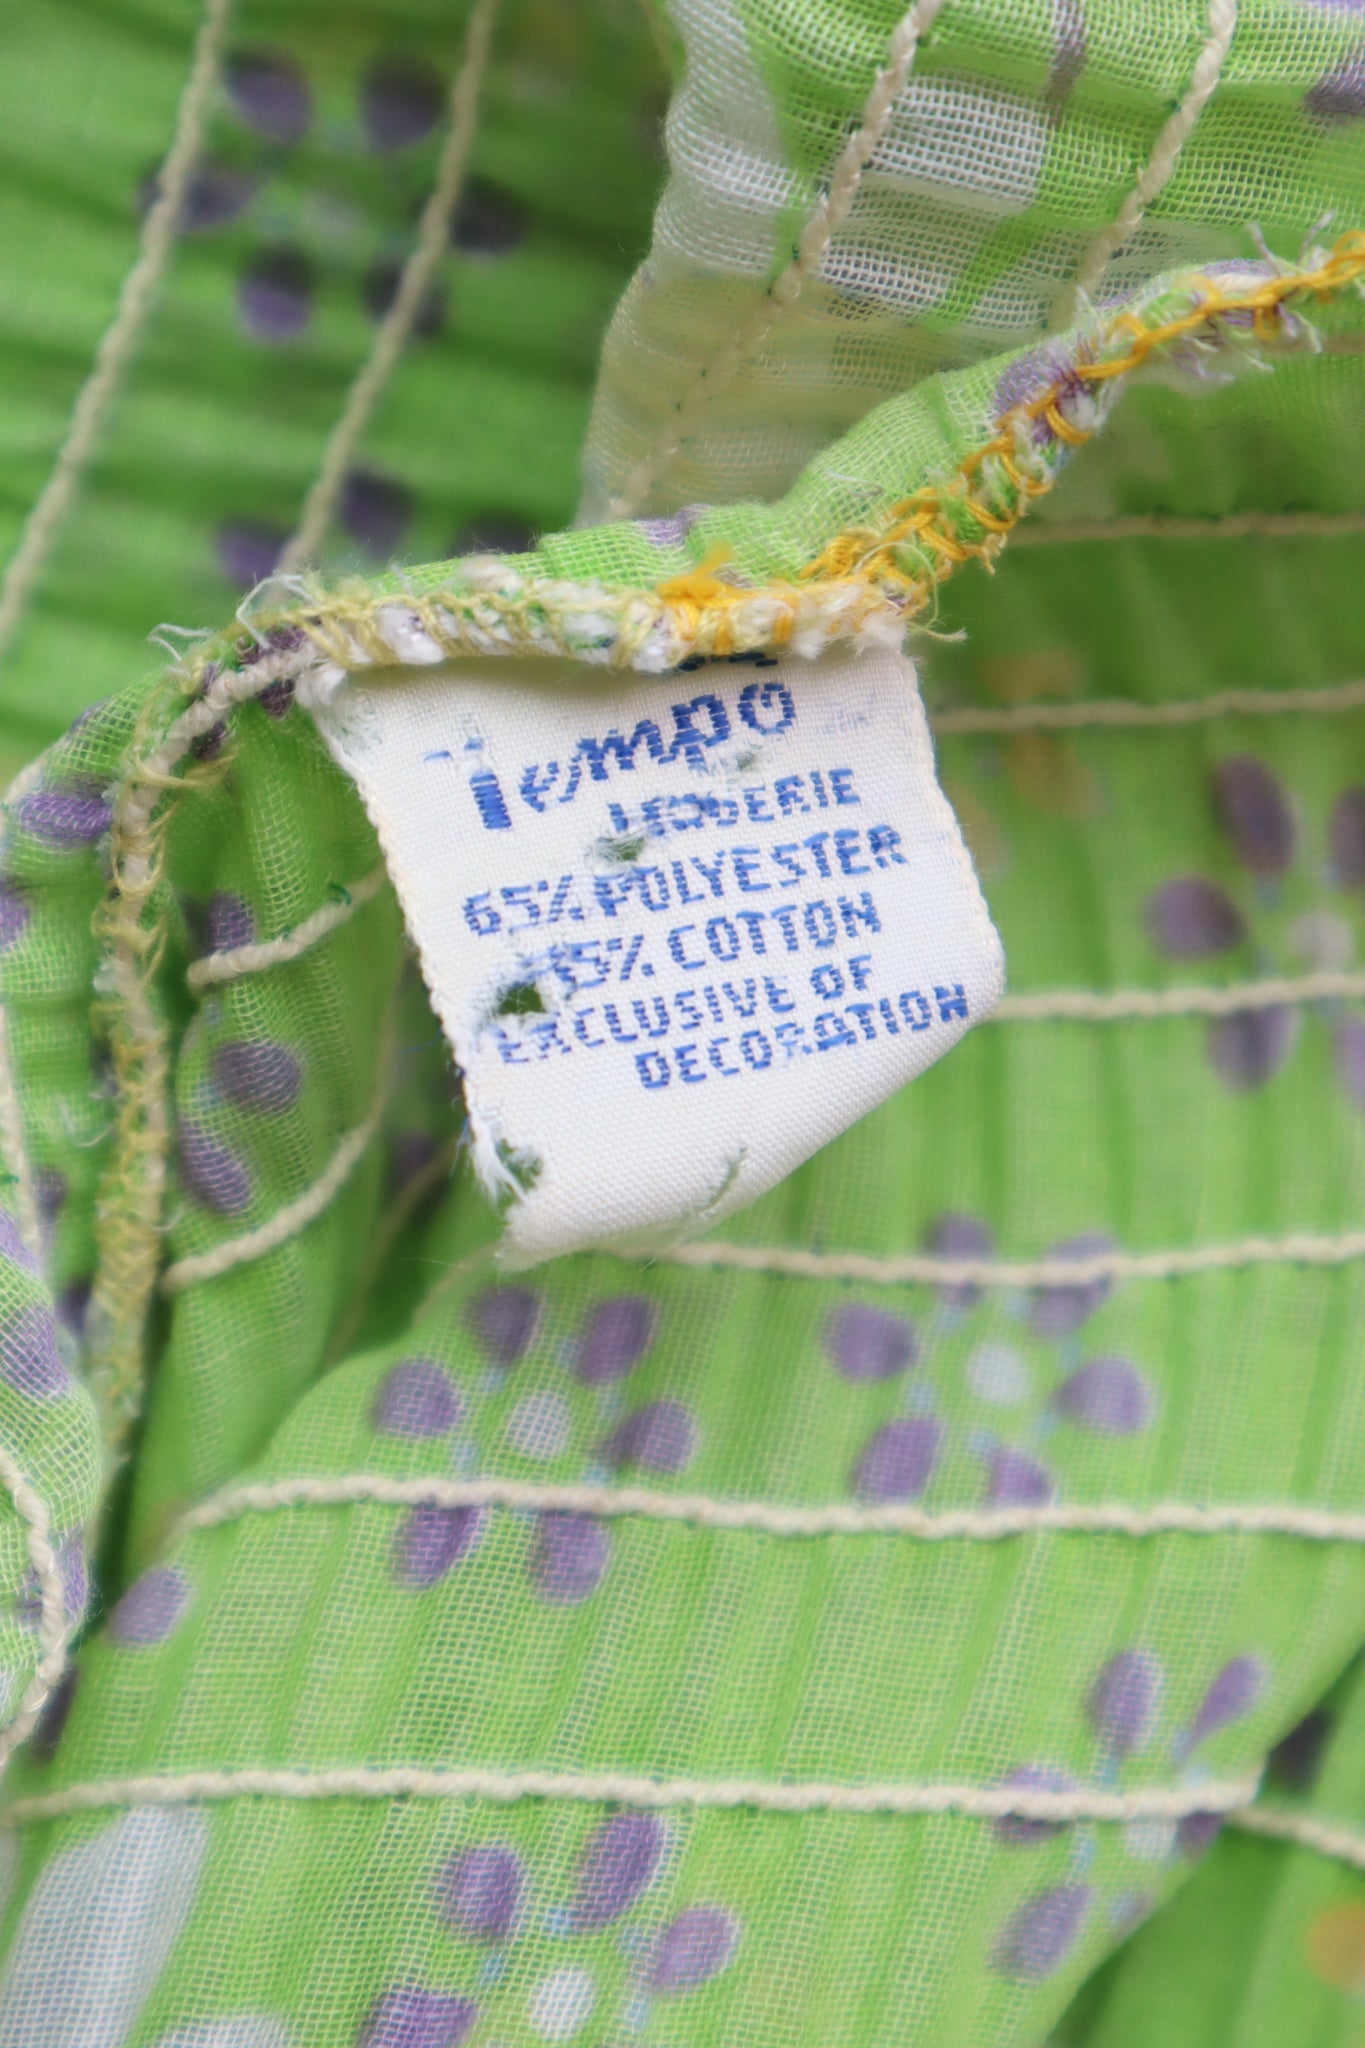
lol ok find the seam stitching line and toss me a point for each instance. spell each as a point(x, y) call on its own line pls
point(1335, 1839)
point(821, 225)
point(1120, 711)
point(417, 273)
point(32, 1511)
point(1301, 1248)
point(1172, 526)
point(234, 961)
point(1175, 133)
point(115, 348)
point(977, 1802)
point(773, 1519)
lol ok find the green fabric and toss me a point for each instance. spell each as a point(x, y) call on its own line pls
point(380, 1339)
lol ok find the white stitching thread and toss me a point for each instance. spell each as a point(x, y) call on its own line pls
point(1043, 532)
point(1117, 711)
point(417, 274)
point(287, 1222)
point(1208, 69)
point(820, 228)
point(234, 961)
point(119, 339)
point(32, 1511)
point(976, 1802)
point(1300, 1248)
point(839, 1518)
point(1090, 1006)
point(1305, 1831)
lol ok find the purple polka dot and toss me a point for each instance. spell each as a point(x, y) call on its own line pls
point(1248, 1048)
point(227, 923)
point(619, 1862)
point(864, 1343)
point(431, 1540)
point(1348, 1057)
point(1123, 1699)
point(1233, 1692)
point(898, 1459)
point(959, 1237)
point(661, 1437)
point(73, 1305)
point(1040, 1936)
point(1014, 1828)
point(43, 1742)
point(478, 1892)
point(616, 1337)
point(211, 1174)
point(411, 1154)
point(275, 294)
point(400, 102)
point(504, 1321)
point(150, 1608)
point(693, 1949)
point(13, 915)
point(1196, 1833)
point(489, 221)
point(257, 1074)
point(29, 1360)
point(1297, 1758)
point(12, 1245)
point(270, 92)
point(406, 2016)
point(1014, 1480)
point(1346, 839)
point(74, 816)
point(1058, 1312)
point(416, 1399)
point(672, 528)
point(379, 289)
point(1109, 1395)
point(1191, 919)
point(568, 1558)
point(1068, 52)
point(375, 511)
point(493, 533)
point(49, 1193)
point(1340, 96)
point(248, 550)
point(217, 194)
point(1254, 811)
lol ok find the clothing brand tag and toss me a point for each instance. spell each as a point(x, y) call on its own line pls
point(680, 931)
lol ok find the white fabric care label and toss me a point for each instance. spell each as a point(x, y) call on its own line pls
point(681, 931)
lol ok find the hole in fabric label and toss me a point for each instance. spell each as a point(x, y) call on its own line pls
point(680, 932)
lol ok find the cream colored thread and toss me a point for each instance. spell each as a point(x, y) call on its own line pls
point(975, 1802)
point(14, 1153)
point(1305, 1831)
point(613, 1503)
point(235, 961)
point(1045, 533)
point(1232, 1000)
point(117, 343)
point(33, 1513)
point(819, 230)
point(290, 1221)
point(1301, 1248)
point(1116, 711)
point(417, 275)
point(1208, 69)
